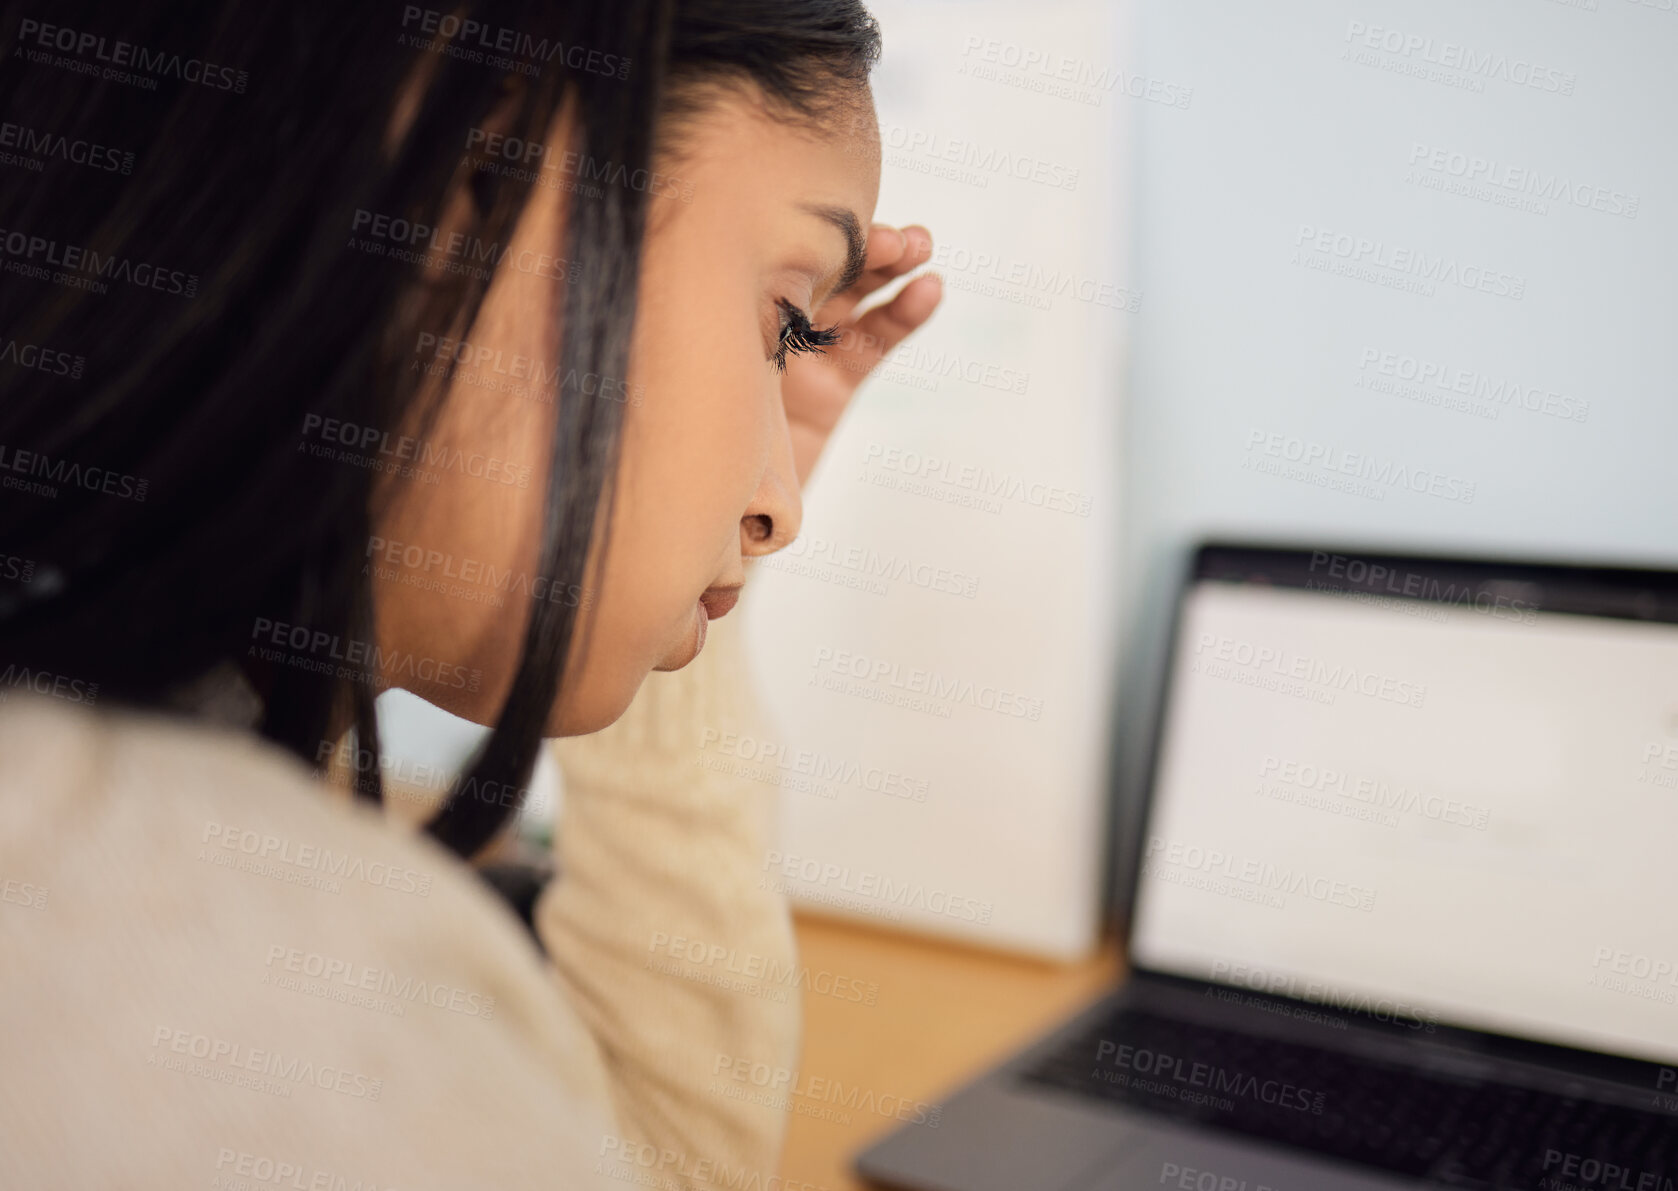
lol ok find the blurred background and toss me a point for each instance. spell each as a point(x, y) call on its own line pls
point(1369, 274)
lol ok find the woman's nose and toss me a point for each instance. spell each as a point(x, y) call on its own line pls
point(773, 518)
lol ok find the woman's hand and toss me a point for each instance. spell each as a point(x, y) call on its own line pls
point(817, 388)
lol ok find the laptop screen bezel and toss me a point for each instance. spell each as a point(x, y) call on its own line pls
point(1602, 591)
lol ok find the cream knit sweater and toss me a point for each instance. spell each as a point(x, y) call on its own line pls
point(214, 974)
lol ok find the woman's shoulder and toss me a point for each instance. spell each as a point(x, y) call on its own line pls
point(160, 801)
point(228, 966)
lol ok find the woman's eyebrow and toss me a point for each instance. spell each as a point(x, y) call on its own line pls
point(856, 246)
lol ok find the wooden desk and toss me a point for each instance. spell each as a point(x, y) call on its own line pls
point(942, 1013)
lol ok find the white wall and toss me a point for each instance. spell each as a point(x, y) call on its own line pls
point(1297, 123)
point(1012, 384)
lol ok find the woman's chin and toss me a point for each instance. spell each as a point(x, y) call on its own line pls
point(692, 643)
point(579, 717)
point(603, 698)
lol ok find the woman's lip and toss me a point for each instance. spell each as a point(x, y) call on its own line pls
point(718, 600)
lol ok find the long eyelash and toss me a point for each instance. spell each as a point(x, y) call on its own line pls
point(797, 335)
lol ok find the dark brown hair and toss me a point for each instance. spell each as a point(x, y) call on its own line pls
point(187, 246)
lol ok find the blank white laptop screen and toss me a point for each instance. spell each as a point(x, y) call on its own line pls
point(1433, 812)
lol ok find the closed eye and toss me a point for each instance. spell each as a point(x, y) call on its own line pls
point(797, 335)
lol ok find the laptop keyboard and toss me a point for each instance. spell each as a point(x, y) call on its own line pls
point(1457, 1132)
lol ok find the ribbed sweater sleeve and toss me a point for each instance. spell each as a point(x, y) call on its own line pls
point(666, 937)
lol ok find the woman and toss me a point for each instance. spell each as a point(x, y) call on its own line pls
point(470, 350)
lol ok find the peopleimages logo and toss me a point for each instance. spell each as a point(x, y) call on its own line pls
point(784, 1084)
point(23, 893)
point(620, 1157)
point(229, 1062)
point(1391, 372)
point(868, 565)
point(102, 480)
point(431, 247)
point(264, 847)
point(1285, 984)
point(364, 660)
point(1025, 282)
point(283, 961)
point(531, 161)
point(1637, 966)
point(1372, 577)
point(484, 582)
point(526, 375)
point(1503, 177)
point(120, 53)
point(771, 756)
point(915, 148)
point(41, 359)
point(1586, 1173)
point(937, 363)
point(1402, 261)
point(496, 45)
point(408, 780)
point(1260, 874)
point(1035, 68)
point(874, 887)
point(938, 469)
point(1194, 1178)
point(1178, 1074)
point(45, 682)
point(372, 443)
point(1284, 663)
point(758, 968)
point(290, 1176)
point(1664, 755)
point(80, 267)
point(880, 673)
point(1368, 474)
point(1477, 65)
point(1382, 794)
point(51, 144)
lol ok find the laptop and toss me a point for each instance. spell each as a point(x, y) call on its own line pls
point(1404, 900)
